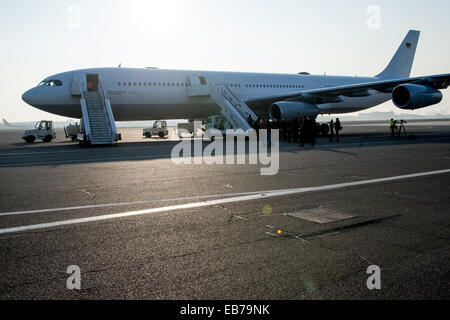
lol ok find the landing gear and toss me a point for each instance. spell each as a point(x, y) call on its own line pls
point(324, 129)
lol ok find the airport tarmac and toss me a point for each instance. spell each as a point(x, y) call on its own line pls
point(141, 227)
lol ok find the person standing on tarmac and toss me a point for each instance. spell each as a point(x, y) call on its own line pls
point(338, 128)
point(289, 130)
point(331, 130)
point(283, 130)
point(313, 131)
point(250, 121)
point(269, 132)
point(392, 127)
point(302, 131)
point(257, 126)
point(295, 129)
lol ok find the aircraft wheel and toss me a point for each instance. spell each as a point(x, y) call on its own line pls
point(30, 139)
point(324, 129)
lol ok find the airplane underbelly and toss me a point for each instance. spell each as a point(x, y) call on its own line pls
point(356, 104)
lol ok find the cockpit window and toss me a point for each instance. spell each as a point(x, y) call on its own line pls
point(50, 83)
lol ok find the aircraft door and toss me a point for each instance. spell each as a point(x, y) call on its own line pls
point(78, 79)
point(92, 82)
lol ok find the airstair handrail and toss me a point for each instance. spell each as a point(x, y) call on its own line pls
point(84, 111)
point(109, 112)
point(242, 107)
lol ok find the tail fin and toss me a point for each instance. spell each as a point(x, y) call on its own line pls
point(401, 64)
point(7, 124)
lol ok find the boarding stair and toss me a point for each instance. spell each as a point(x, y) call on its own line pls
point(232, 107)
point(98, 119)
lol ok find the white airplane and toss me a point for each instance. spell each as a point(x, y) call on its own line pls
point(7, 124)
point(150, 93)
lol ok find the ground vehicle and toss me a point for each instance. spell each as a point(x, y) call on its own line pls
point(72, 131)
point(43, 130)
point(185, 127)
point(219, 123)
point(159, 129)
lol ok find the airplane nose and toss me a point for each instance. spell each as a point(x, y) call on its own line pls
point(27, 97)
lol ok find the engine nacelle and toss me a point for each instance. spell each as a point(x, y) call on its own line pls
point(414, 96)
point(288, 110)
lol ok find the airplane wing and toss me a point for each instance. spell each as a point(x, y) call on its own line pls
point(332, 94)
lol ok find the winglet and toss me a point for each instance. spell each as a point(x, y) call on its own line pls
point(401, 64)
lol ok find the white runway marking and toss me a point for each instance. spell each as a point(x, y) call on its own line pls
point(257, 196)
point(123, 204)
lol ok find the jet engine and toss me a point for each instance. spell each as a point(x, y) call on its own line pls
point(414, 96)
point(288, 110)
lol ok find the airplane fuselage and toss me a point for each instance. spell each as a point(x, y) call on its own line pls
point(149, 94)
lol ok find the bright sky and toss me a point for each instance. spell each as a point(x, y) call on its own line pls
point(44, 37)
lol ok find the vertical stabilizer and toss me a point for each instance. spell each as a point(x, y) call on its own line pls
point(401, 64)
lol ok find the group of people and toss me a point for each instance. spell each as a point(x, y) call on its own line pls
point(304, 130)
point(335, 127)
point(262, 123)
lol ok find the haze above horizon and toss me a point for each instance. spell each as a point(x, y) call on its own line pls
point(335, 37)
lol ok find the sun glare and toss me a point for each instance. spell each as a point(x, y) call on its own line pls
point(158, 17)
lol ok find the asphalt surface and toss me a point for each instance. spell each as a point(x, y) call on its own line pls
point(235, 249)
